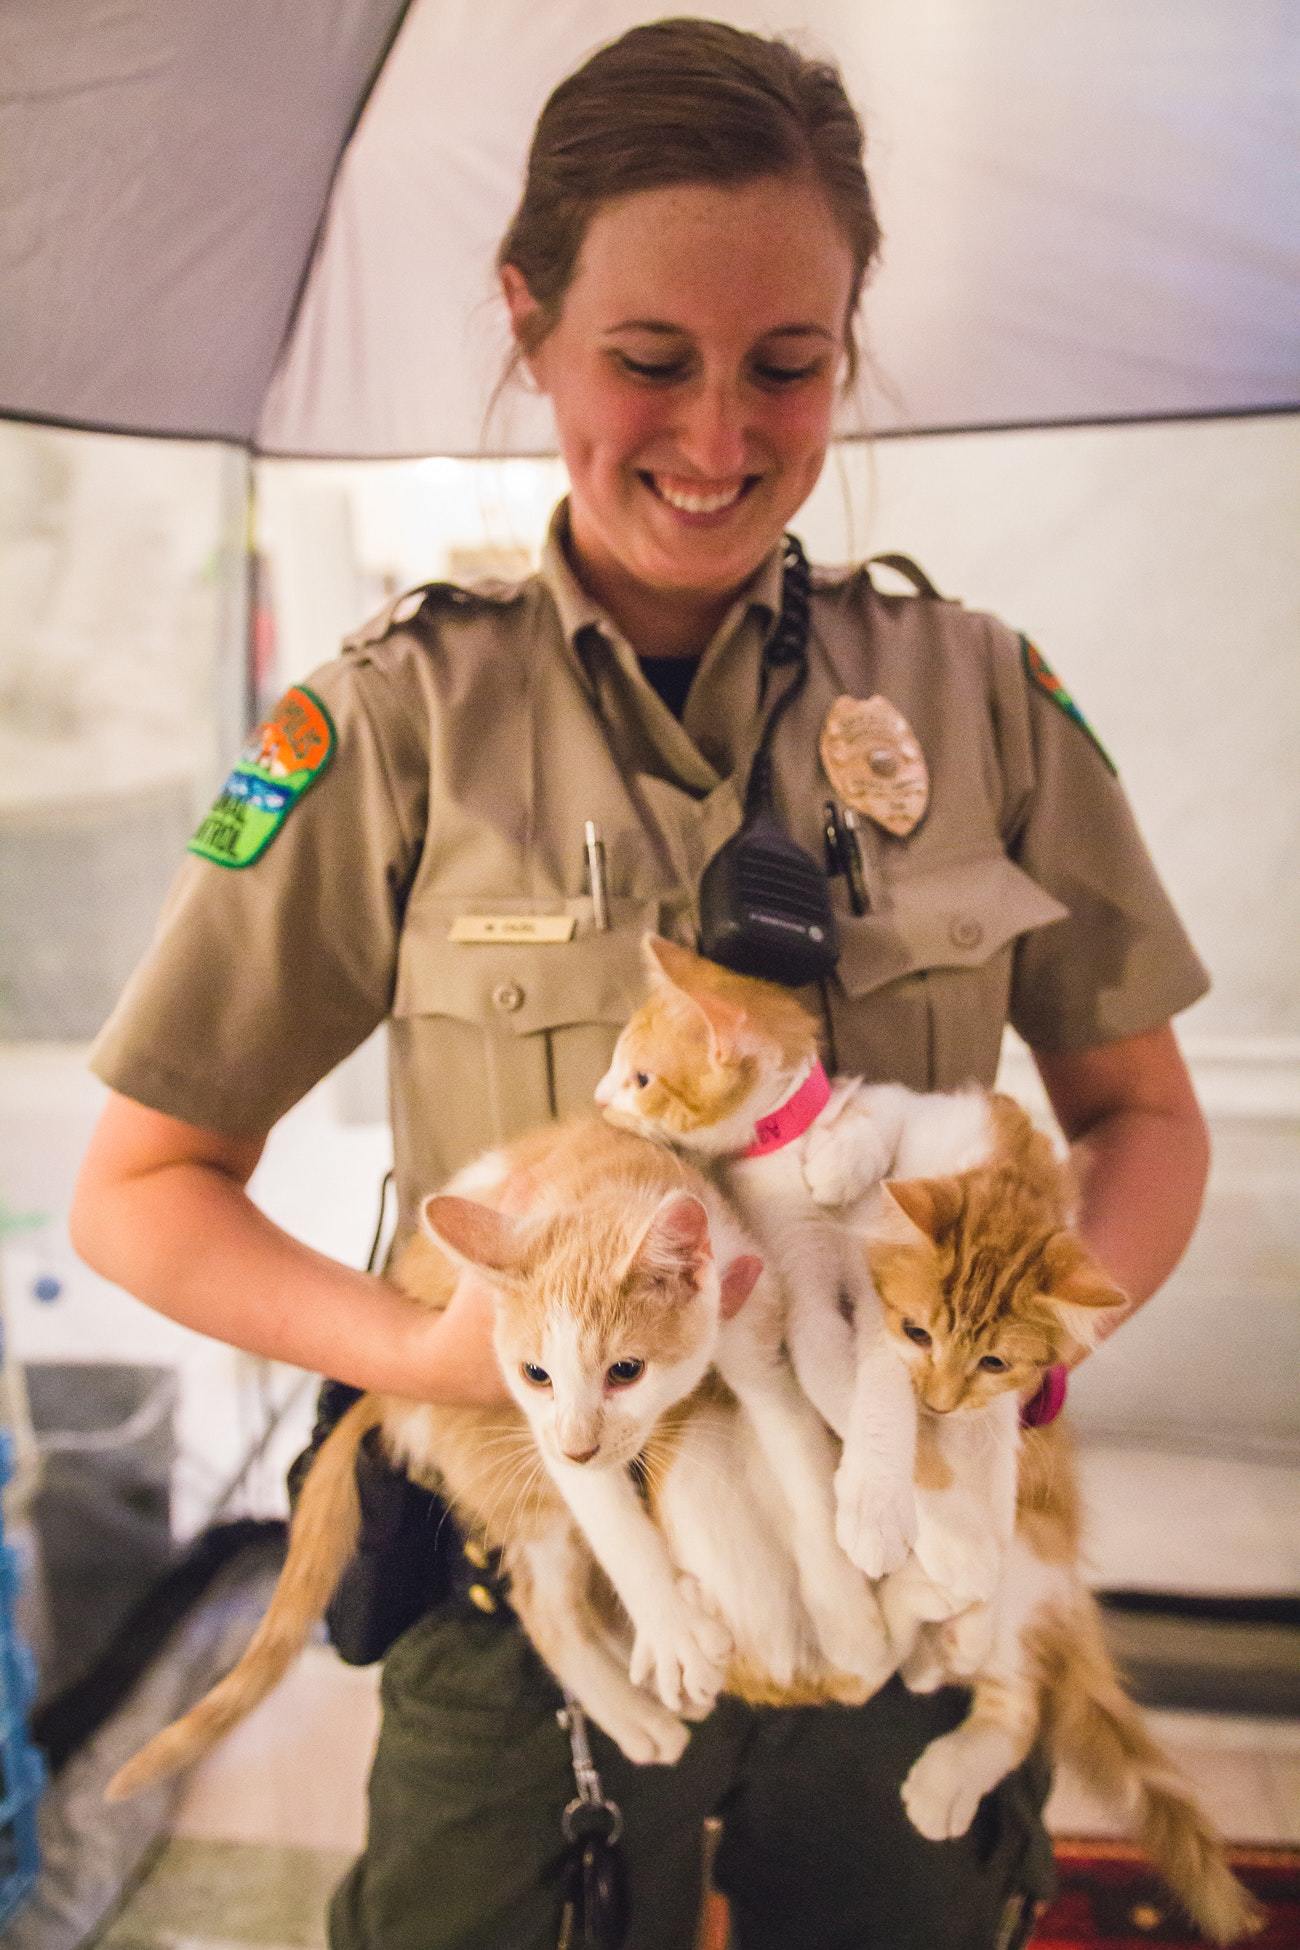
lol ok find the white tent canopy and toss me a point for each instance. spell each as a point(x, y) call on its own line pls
point(1084, 210)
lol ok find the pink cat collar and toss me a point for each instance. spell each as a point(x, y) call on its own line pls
point(781, 1127)
point(1046, 1405)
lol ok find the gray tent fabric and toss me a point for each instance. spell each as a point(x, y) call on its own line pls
point(164, 170)
point(1085, 210)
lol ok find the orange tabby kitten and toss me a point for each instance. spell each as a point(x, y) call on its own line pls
point(611, 1307)
point(984, 1288)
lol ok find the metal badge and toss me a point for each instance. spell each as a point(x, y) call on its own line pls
point(872, 759)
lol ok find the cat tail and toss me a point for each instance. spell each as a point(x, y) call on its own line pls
point(1094, 1725)
point(322, 1537)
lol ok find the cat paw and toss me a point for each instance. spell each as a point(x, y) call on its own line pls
point(850, 1629)
point(837, 1172)
point(875, 1521)
point(940, 1794)
point(646, 1732)
point(964, 1565)
point(682, 1653)
point(924, 1670)
point(966, 1641)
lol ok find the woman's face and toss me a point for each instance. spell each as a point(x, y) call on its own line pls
point(693, 374)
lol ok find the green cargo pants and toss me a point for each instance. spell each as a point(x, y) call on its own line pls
point(472, 1772)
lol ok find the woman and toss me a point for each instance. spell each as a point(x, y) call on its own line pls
point(682, 276)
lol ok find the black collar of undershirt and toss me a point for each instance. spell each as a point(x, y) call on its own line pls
point(670, 678)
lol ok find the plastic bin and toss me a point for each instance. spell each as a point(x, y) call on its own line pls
point(22, 1772)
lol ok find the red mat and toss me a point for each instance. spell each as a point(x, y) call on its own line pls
point(1110, 1900)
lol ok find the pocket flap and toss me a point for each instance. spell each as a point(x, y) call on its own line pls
point(953, 914)
point(528, 986)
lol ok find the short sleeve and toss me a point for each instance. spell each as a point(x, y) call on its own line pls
point(263, 975)
point(1121, 962)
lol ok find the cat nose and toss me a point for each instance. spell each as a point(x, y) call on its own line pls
point(606, 1089)
point(579, 1456)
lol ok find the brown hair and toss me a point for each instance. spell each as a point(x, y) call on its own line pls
point(684, 101)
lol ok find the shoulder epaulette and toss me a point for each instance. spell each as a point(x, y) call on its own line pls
point(450, 595)
point(910, 571)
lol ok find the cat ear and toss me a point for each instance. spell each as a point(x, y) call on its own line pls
point(674, 1241)
point(1082, 1296)
point(685, 974)
point(909, 1206)
point(476, 1235)
point(739, 1278)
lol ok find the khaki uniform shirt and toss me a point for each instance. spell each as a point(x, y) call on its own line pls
point(478, 729)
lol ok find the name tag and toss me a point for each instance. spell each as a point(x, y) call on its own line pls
point(513, 927)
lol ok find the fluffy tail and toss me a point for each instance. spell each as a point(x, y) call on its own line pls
point(322, 1538)
point(1094, 1725)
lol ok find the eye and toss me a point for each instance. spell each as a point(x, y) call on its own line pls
point(535, 1377)
point(651, 369)
point(641, 1078)
point(624, 1373)
point(915, 1333)
point(786, 375)
point(994, 1363)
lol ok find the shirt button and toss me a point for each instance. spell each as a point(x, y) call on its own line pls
point(965, 932)
point(508, 995)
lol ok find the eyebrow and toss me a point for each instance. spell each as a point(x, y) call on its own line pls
point(665, 330)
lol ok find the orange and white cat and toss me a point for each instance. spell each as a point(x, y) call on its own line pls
point(705, 1065)
point(984, 1288)
point(623, 1283)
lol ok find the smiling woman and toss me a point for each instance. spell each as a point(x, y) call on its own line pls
point(682, 276)
point(692, 431)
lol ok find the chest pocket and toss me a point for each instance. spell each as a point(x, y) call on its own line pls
point(923, 985)
point(492, 1038)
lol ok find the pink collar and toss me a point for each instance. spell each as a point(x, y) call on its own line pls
point(783, 1126)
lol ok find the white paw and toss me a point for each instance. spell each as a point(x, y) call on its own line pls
point(875, 1519)
point(967, 1641)
point(940, 1794)
point(924, 1669)
point(682, 1653)
point(647, 1733)
point(850, 1629)
point(838, 1171)
point(963, 1564)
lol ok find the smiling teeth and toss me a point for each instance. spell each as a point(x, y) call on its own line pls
point(699, 504)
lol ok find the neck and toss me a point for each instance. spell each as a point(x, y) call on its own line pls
point(788, 1119)
point(656, 622)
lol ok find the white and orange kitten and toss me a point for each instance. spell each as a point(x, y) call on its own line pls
point(702, 1065)
point(985, 1287)
point(618, 1288)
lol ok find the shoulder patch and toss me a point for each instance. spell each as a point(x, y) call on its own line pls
point(283, 757)
point(1044, 678)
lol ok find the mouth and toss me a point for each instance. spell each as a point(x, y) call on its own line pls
point(698, 500)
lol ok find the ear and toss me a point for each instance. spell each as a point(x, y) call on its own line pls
point(739, 1278)
point(909, 1208)
point(1082, 1296)
point(674, 1242)
point(475, 1235)
point(523, 309)
point(683, 972)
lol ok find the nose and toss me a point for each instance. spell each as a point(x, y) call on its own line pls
point(712, 432)
point(579, 1456)
point(605, 1088)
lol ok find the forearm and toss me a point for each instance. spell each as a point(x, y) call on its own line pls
point(187, 1240)
point(1141, 1154)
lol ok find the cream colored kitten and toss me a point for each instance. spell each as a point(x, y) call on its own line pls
point(704, 1064)
point(985, 1287)
point(611, 1309)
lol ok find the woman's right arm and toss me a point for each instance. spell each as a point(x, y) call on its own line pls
point(161, 1209)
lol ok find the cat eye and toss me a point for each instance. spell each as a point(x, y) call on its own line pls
point(915, 1333)
point(641, 1079)
point(624, 1373)
point(536, 1377)
point(994, 1363)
